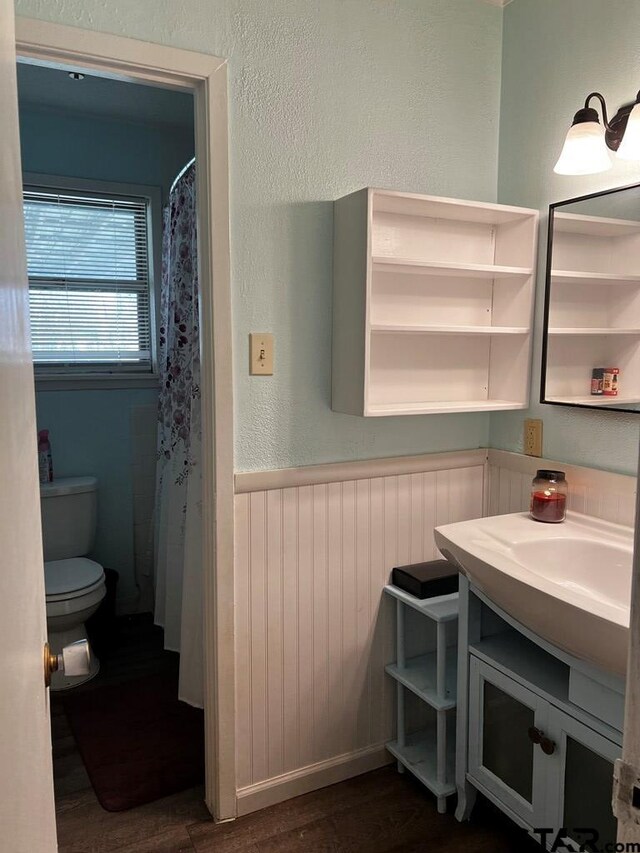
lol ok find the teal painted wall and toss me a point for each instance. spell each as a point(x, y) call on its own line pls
point(326, 97)
point(91, 434)
point(102, 149)
point(554, 54)
point(90, 430)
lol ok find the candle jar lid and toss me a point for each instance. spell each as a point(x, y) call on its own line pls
point(546, 474)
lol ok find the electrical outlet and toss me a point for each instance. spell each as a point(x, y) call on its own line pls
point(533, 437)
point(261, 354)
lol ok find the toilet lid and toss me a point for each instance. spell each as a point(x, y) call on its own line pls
point(62, 577)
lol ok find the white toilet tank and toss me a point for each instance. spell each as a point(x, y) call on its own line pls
point(69, 511)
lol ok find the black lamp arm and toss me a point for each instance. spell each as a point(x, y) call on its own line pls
point(603, 104)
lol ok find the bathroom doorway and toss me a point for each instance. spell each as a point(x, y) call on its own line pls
point(110, 229)
point(211, 208)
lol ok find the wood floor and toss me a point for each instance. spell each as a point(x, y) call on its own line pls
point(377, 812)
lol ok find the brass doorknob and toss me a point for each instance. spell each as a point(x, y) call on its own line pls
point(74, 660)
point(50, 664)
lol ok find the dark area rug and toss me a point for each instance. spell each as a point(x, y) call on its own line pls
point(137, 741)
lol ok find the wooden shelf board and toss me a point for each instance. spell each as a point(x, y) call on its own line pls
point(414, 204)
point(525, 662)
point(586, 330)
point(419, 676)
point(577, 276)
point(487, 271)
point(440, 608)
point(442, 407)
point(599, 400)
point(418, 329)
point(418, 755)
point(594, 226)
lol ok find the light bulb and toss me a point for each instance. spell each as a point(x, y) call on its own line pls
point(630, 146)
point(584, 151)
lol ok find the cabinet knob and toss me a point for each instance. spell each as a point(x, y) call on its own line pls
point(547, 746)
point(535, 735)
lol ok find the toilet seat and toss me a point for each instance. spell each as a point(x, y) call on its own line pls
point(72, 578)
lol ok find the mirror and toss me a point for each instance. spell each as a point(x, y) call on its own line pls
point(591, 343)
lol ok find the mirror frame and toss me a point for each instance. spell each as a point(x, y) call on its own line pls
point(547, 305)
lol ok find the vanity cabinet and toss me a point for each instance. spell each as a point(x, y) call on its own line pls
point(535, 731)
point(432, 304)
point(543, 766)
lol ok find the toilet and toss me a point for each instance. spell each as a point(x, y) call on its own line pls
point(74, 585)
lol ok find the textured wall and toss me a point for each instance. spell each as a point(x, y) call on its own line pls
point(326, 97)
point(555, 53)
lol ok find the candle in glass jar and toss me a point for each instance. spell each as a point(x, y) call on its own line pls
point(549, 496)
point(548, 507)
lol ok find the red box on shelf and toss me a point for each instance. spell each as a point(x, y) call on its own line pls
point(610, 381)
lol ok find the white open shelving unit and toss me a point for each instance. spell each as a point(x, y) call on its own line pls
point(593, 308)
point(426, 667)
point(432, 304)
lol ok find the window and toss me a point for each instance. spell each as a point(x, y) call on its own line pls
point(90, 296)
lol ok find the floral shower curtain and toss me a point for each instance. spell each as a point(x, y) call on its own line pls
point(178, 575)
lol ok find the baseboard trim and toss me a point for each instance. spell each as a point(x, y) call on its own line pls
point(339, 472)
point(310, 778)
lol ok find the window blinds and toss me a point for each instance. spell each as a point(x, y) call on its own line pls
point(89, 288)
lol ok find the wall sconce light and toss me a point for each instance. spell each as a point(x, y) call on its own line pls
point(585, 147)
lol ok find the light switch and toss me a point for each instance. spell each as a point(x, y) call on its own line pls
point(261, 354)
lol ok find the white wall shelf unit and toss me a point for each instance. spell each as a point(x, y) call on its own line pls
point(432, 304)
point(593, 308)
point(426, 667)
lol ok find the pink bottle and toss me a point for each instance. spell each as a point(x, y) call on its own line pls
point(45, 462)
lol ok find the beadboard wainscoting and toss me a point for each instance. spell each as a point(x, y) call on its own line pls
point(594, 492)
point(314, 548)
point(313, 631)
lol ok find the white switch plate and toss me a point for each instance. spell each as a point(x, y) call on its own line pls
point(261, 354)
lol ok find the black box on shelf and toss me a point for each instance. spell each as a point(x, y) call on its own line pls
point(426, 580)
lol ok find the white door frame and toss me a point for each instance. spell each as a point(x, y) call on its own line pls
point(206, 76)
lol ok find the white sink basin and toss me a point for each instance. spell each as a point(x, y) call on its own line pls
point(570, 583)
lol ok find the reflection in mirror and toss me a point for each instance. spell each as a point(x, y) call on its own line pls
point(591, 352)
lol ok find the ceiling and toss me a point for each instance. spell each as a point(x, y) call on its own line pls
point(40, 86)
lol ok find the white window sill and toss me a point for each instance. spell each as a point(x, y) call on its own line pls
point(96, 382)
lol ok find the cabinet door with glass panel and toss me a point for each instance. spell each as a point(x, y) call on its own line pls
point(546, 768)
point(591, 348)
point(579, 790)
point(507, 723)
